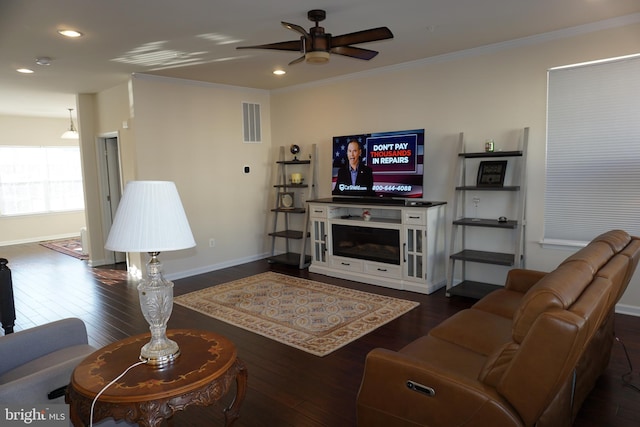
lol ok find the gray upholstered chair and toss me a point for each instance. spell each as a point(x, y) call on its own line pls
point(38, 361)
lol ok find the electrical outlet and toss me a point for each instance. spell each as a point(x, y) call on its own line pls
point(212, 243)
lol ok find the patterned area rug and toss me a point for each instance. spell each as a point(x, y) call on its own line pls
point(71, 247)
point(308, 315)
point(108, 276)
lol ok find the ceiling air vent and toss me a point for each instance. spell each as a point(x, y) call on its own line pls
point(251, 122)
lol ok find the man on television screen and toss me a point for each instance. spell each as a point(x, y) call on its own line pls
point(354, 178)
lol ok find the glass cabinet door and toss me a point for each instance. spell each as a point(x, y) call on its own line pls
point(319, 241)
point(414, 253)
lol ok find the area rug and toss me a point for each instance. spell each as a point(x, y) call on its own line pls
point(311, 316)
point(109, 276)
point(72, 247)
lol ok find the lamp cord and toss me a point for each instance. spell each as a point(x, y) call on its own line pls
point(626, 378)
point(109, 385)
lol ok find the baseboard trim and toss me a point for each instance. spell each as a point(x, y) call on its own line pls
point(630, 310)
point(213, 267)
point(39, 239)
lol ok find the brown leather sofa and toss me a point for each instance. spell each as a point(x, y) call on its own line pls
point(527, 354)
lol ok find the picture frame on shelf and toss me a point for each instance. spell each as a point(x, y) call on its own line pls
point(491, 173)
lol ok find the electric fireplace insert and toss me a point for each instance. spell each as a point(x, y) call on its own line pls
point(367, 243)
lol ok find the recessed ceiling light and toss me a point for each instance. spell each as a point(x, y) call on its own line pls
point(70, 33)
point(24, 70)
point(279, 72)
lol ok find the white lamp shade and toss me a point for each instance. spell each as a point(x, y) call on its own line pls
point(150, 218)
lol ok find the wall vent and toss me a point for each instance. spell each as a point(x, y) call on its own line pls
point(251, 122)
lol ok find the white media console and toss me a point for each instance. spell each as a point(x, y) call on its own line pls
point(400, 246)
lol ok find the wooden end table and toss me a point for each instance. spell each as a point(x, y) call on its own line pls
point(147, 395)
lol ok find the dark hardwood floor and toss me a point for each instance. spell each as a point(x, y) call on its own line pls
point(287, 387)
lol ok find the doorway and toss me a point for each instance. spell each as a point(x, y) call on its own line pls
point(110, 187)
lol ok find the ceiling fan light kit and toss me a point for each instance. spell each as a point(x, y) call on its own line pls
point(317, 57)
point(316, 45)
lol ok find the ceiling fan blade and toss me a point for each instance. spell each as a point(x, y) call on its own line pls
point(295, 45)
point(295, 61)
point(296, 28)
point(354, 52)
point(374, 34)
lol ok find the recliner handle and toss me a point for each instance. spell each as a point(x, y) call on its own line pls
point(57, 393)
point(412, 385)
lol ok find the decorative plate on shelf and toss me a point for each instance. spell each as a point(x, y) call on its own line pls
point(286, 201)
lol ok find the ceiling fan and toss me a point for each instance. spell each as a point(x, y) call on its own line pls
point(316, 45)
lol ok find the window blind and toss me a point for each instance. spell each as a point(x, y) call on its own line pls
point(593, 150)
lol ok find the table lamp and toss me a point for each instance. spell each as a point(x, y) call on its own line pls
point(150, 218)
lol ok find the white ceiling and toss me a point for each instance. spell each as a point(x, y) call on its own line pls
point(196, 39)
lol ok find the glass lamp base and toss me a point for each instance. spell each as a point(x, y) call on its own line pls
point(156, 302)
point(159, 355)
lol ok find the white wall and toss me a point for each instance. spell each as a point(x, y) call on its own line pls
point(103, 114)
point(191, 133)
point(37, 131)
point(486, 93)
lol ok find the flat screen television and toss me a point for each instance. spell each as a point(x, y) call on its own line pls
point(383, 164)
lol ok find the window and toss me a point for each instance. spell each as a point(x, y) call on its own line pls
point(36, 180)
point(593, 150)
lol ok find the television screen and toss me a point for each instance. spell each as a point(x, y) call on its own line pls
point(384, 164)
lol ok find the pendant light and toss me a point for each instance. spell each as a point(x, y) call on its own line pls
point(72, 133)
